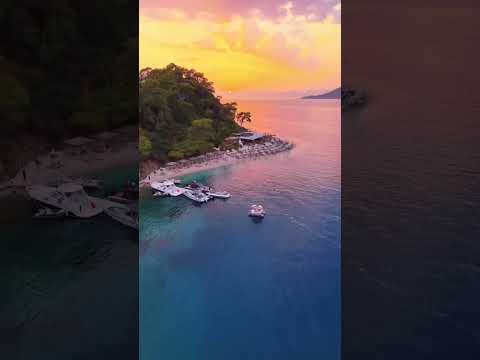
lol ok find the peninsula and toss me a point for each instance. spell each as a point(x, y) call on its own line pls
point(350, 98)
point(334, 94)
point(185, 127)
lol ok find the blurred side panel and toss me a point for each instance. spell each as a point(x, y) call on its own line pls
point(68, 179)
point(410, 180)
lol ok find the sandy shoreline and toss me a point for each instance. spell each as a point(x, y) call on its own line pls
point(215, 160)
point(71, 166)
point(170, 174)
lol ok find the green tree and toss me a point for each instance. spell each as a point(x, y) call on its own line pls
point(179, 108)
point(244, 116)
point(15, 103)
point(144, 144)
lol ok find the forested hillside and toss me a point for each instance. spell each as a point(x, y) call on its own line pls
point(180, 115)
point(67, 67)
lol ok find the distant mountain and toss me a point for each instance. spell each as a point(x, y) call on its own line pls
point(334, 94)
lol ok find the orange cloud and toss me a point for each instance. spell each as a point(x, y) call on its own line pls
point(246, 52)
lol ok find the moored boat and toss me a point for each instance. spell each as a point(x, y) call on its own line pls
point(196, 196)
point(256, 211)
point(195, 185)
point(68, 197)
point(159, 194)
point(219, 194)
point(125, 215)
point(48, 213)
point(168, 187)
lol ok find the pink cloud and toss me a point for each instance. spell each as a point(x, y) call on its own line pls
point(226, 8)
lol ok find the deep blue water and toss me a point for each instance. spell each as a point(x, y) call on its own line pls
point(216, 285)
point(69, 282)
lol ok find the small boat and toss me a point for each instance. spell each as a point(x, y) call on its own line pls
point(47, 213)
point(196, 195)
point(168, 187)
point(68, 197)
point(126, 215)
point(195, 186)
point(219, 194)
point(159, 194)
point(161, 185)
point(256, 211)
point(174, 191)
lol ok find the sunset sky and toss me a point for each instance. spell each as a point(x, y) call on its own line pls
point(248, 48)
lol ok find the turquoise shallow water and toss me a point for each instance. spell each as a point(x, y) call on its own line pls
point(216, 285)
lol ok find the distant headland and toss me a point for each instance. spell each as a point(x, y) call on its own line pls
point(351, 98)
point(334, 94)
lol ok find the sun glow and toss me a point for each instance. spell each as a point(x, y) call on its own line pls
point(249, 52)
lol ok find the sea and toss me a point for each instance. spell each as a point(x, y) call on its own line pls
point(215, 285)
point(69, 285)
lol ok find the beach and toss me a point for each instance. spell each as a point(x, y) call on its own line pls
point(68, 163)
point(16, 204)
point(216, 159)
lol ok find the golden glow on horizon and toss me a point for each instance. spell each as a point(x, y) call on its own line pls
point(246, 53)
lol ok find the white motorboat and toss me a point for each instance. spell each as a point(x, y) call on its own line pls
point(256, 211)
point(124, 215)
point(47, 213)
point(168, 187)
point(196, 195)
point(69, 197)
point(174, 191)
point(219, 194)
point(159, 194)
point(195, 185)
point(161, 185)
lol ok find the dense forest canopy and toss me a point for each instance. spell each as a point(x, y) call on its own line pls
point(180, 115)
point(64, 66)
